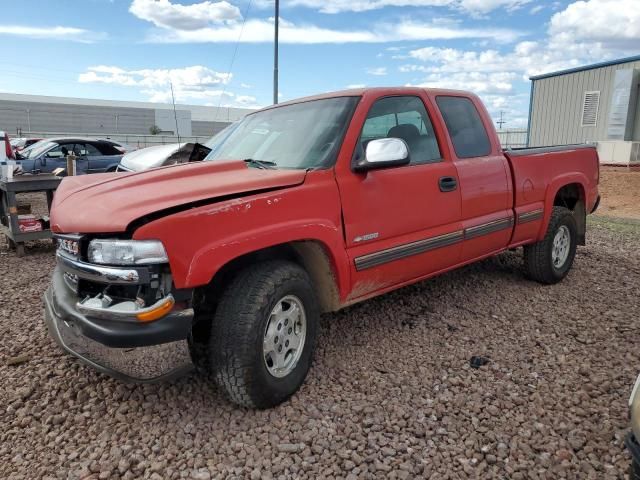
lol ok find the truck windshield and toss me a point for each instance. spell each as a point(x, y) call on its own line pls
point(299, 136)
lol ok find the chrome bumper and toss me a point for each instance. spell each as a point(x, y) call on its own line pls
point(109, 337)
point(141, 364)
point(102, 274)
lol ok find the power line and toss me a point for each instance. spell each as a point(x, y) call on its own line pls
point(175, 115)
point(233, 57)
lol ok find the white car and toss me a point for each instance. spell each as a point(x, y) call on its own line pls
point(170, 153)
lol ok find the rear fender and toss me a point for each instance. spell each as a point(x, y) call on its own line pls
point(552, 190)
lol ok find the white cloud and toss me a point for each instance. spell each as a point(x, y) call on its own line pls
point(163, 13)
point(477, 82)
point(194, 83)
point(53, 33)
point(185, 24)
point(261, 31)
point(245, 100)
point(536, 9)
point(378, 71)
point(584, 32)
point(357, 85)
point(615, 23)
point(474, 7)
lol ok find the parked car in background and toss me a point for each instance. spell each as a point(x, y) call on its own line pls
point(19, 144)
point(93, 155)
point(170, 153)
point(6, 151)
point(306, 207)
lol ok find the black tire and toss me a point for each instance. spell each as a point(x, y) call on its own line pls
point(236, 357)
point(538, 258)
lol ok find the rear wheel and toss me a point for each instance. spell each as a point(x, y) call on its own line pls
point(549, 260)
point(263, 334)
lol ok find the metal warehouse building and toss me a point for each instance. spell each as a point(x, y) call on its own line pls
point(595, 103)
point(44, 114)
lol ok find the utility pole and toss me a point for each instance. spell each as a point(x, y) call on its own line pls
point(275, 55)
point(501, 121)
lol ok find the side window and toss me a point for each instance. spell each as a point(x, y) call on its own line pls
point(59, 151)
point(405, 118)
point(91, 150)
point(468, 135)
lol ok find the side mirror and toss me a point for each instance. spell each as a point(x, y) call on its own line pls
point(43, 159)
point(384, 153)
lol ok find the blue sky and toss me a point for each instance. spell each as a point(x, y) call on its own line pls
point(131, 49)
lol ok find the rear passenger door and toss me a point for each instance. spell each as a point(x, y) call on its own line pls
point(96, 162)
point(400, 223)
point(101, 156)
point(484, 176)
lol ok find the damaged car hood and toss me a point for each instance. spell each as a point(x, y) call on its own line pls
point(108, 203)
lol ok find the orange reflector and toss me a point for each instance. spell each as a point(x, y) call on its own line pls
point(156, 313)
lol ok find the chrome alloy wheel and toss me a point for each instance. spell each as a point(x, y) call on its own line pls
point(284, 336)
point(561, 246)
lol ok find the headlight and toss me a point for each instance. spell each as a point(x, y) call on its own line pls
point(127, 252)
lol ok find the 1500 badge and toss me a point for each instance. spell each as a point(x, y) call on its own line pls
point(364, 238)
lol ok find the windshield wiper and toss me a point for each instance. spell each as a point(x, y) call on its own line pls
point(263, 164)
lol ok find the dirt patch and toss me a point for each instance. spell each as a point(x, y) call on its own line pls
point(620, 190)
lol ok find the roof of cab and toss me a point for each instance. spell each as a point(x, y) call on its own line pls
point(358, 92)
point(74, 139)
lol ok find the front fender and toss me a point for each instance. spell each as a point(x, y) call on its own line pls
point(202, 240)
point(210, 258)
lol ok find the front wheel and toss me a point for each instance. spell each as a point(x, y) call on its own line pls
point(549, 260)
point(263, 334)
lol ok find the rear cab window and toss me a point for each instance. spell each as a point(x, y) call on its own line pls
point(465, 127)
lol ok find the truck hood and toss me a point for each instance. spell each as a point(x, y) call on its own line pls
point(109, 202)
point(149, 157)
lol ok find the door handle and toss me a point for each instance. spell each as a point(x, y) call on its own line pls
point(447, 184)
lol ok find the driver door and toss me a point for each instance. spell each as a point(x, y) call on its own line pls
point(401, 223)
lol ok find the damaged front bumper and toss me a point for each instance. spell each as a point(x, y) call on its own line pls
point(111, 338)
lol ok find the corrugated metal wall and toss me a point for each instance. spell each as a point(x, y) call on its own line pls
point(556, 114)
point(52, 117)
point(206, 129)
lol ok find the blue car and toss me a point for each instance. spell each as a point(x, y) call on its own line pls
point(92, 155)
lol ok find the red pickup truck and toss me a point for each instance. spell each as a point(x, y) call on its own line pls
point(307, 207)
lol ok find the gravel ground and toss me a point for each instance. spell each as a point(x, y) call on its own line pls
point(391, 393)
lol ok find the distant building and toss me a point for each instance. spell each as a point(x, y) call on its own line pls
point(45, 114)
point(595, 103)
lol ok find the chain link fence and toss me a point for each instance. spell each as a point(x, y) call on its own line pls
point(513, 137)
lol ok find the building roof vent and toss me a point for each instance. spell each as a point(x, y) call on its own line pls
point(590, 108)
